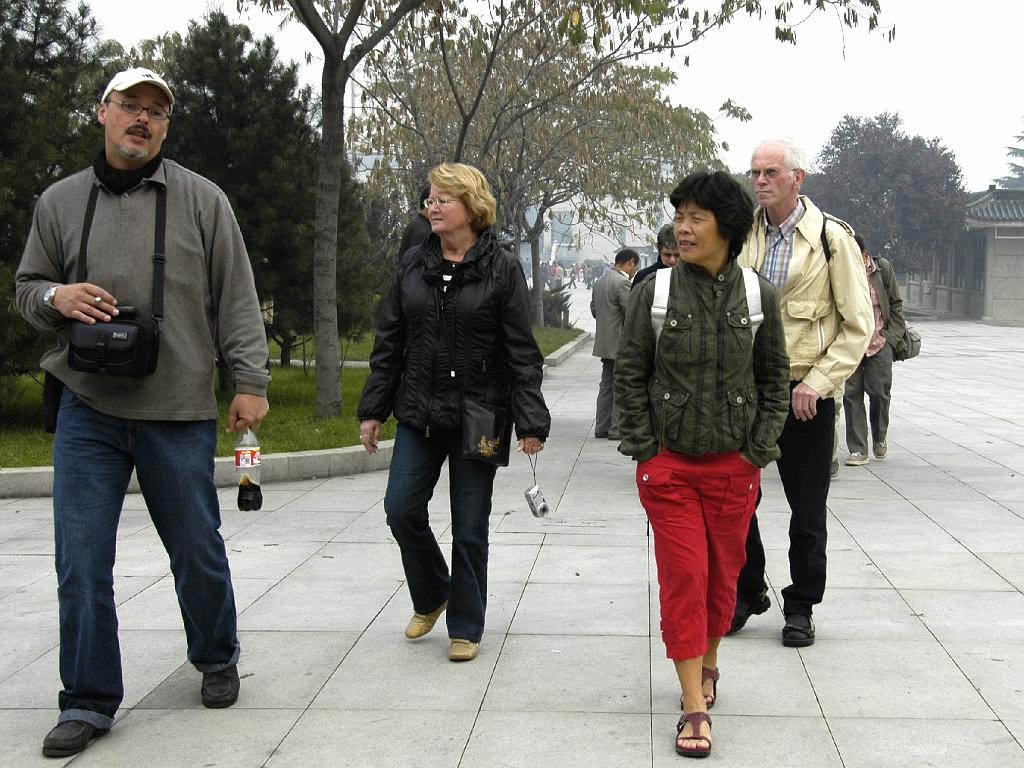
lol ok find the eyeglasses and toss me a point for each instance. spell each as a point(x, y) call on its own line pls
point(135, 109)
point(769, 173)
point(430, 202)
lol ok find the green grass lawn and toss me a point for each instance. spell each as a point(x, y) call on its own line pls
point(290, 426)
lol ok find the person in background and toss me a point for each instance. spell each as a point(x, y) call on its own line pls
point(608, 306)
point(164, 426)
point(668, 254)
point(459, 285)
point(826, 312)
point(418, 228)
point(701, 409)
point(874, 374)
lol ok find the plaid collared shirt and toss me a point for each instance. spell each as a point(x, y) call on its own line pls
point(779, 246)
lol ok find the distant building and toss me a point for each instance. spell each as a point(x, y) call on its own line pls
point(983, 278)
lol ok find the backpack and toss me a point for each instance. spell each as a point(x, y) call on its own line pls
point(662, 283)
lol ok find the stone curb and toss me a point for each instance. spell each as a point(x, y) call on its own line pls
point(276, 468)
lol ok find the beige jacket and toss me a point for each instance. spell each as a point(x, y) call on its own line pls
point(826, 306)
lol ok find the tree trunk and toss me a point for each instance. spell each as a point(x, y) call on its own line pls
point(325, 245)
point(286, 342)
point(225, 378)
point(538, 283)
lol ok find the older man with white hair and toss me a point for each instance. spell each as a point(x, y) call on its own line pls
point(812, 258)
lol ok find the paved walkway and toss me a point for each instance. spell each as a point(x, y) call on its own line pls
point(919, 659)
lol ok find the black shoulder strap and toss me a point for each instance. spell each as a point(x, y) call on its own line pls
point(83, 247)
point(824, 237)
point(159, 258)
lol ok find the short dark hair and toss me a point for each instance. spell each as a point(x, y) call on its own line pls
point(666, 237)
point(626, 255)
point(720, 193)
point(861, 243)
point(424, 194)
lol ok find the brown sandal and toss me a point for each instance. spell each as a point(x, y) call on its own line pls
point(706, 673)
point(694, 719)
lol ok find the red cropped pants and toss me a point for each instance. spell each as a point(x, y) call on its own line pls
point(700, 509)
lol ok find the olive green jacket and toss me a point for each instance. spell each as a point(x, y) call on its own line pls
point(711, 387)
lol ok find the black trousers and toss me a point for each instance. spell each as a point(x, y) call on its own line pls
point(804, 468)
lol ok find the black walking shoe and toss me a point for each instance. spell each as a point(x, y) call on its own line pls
point(798, 632)
point(745, 609)
point(69, 738)
point(220, 689)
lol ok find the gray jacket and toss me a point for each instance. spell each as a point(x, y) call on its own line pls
point(608, 306)
point(210, 298)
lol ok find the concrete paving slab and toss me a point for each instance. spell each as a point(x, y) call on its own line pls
point(901, 742)
point(579, 739)
point(567, 673)
point(277, 670)
point(172, 738)
point(582, 609)
point(590, 565)
point(908, 676)
point(375, 739)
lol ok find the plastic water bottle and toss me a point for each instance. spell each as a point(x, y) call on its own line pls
point(247, 467)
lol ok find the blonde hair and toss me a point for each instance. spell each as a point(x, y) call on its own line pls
point(470, 186)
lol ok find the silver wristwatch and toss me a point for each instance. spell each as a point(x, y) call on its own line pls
point(50, 293)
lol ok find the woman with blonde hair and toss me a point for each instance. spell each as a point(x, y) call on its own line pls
point(454, 327)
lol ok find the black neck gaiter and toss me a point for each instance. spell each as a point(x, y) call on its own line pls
point(120, 181)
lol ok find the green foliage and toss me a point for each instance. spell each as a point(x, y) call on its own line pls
point(556, 306)
point(903, 193)
point(1015, 179)
point(51, 73)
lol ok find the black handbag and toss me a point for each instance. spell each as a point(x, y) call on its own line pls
point(486, 427)
point(128, 345)
point(486, 432)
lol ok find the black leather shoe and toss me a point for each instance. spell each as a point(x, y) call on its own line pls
point(69, 738)
point(220, 689)
point(745, 609)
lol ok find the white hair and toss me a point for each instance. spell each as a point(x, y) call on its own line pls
point(793, 155)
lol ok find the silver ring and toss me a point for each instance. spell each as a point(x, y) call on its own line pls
point(97, 299)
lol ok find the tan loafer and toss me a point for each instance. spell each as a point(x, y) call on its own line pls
point(421, 623)
point(462, 650)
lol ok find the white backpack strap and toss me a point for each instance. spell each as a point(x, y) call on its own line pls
point(662, 281)
point(753, 300)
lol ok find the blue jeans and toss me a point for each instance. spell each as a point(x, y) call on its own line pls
point(415, 467)
point(93, 457)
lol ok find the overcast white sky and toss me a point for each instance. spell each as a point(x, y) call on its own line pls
point(954, 72)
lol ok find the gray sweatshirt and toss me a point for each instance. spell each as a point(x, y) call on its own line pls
point(210, 298)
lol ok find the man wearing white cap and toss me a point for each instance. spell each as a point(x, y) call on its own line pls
point(138, 229)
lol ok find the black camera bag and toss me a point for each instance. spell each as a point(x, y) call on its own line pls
point(128, 345)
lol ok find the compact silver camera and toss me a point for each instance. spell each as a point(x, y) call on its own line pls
point(538, 504)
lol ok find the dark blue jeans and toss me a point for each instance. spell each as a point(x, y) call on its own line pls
point(93, 457)
point(415, 467)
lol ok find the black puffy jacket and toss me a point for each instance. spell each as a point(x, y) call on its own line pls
point(496, 356)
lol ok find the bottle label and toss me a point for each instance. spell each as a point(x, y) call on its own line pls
point(246, 458)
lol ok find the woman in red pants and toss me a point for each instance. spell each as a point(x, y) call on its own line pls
point(702, 406)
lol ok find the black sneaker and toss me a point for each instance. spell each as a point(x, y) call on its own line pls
point(69, 738)
point(746, 609)
point(220, 689)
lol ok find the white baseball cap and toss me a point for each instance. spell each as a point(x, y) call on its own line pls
point(124, 80)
